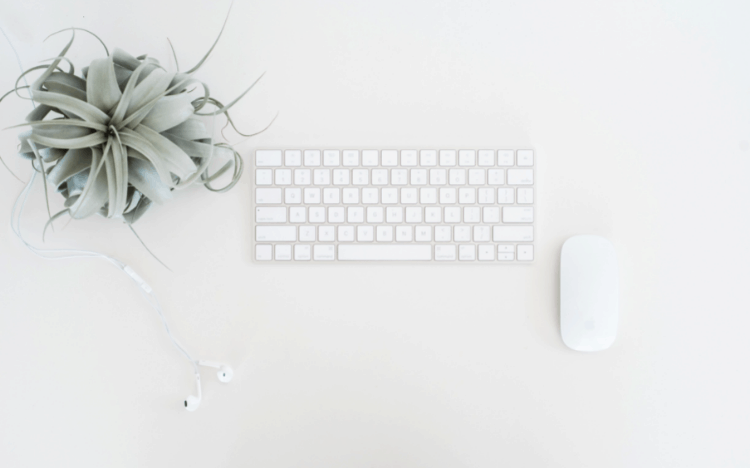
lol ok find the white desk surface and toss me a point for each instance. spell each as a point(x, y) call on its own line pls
point(640, 115)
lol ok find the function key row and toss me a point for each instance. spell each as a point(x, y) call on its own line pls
point(393, 158)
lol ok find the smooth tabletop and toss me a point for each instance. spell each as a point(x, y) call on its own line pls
point(639, 114)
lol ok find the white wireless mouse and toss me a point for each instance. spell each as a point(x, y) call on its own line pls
point(588, 293)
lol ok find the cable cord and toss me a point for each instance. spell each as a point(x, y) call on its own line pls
point(62, 254)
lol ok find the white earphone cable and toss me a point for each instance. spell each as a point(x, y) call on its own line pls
point(61, 254)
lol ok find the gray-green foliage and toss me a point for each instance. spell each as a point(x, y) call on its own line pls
point(123, 134)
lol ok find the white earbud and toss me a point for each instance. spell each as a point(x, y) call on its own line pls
point(225, 373)
point(193, 402)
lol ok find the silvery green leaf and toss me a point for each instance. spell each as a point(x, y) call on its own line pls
point(82, 109)
point(174, 158)
point(65, 83)
point(168, 112)
point(74, 161)
point(93, 139)
point(191, 129)
point(94, 193)
point(102, 89)
point(143, 176)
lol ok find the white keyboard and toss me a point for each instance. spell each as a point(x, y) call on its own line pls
point(329, 205)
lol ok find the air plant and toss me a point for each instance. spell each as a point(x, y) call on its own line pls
point(124, 134)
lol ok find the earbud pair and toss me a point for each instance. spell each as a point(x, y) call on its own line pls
point(224, 374)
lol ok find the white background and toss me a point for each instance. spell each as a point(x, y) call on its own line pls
point(640, 114)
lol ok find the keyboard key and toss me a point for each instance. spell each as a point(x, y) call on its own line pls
point(293, 158)
point(428, 158)
point(403, 233)
point(297, 214)
point(472, 214)
point(267, 196)
point(384, 233)
point(351, 195)
point(491, 214)
point(445, 252)
point(385, 252)
point(486, 158)
point(389, 157)
point(351, 158)
point(525, 195)
point(323, 252)
point(360, 176)
point(408, 158)
point(423, 234)
point(442, 233)
point(476, 176)
point(486, 252)
point(458, 176)
point(505, 256)
point(369, 196)
point(466, 252)
point(525, 158)
point(525, 253)
point(331, 158)
point(263, 252)
point(283, 252)
point(452, 214)
point(437, 176)
point(512, 233)
point(302, 177)
point(301, 252)
point(467, 195)
point(462, 233)
point(292, 196)
point(408, 196)
point(312, 158)
point(355, 214)
point(413, 214)
point(481, 234)
point(346, 233)
point(467, 158)
point(394, 214)
point(341, 177)
point(505, 158)
point(312, 196)
point(283, 176)
point(389, 196)
point(518, 214)
point(433, 214)
point(419, 176)
point(322, 177)
point(399, 177)
point(276, 233)
point(270, 215)
point(380, 177)
point(505, 196)
point(267, 158)
point(307, 233)
point(374, 214)
point(495, 176)
point(263, 177)
point(486, 196)
point(427, 195)
point(365, 234)
point(370, 158)
point(447, 158)
point(326, 234)
point(520, 176)
point(330, 196)
point(447, 196)
point(317, 214)
point(336, 214)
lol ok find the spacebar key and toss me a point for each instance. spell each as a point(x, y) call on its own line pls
point(385, 252)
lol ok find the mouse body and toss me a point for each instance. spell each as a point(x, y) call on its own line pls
point(589, 292)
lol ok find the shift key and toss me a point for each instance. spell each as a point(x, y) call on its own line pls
point(276, 233)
